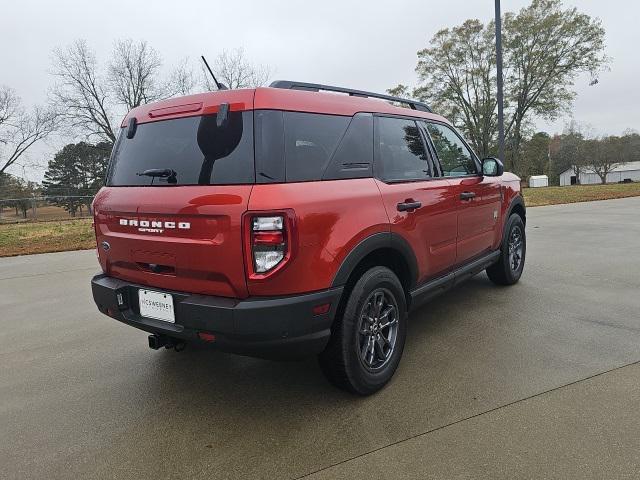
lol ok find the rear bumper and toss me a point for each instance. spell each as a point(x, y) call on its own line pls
point(269, 327)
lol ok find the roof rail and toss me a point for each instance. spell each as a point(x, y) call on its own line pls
point(316, 87)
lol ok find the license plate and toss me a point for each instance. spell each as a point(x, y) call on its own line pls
point(156, 305)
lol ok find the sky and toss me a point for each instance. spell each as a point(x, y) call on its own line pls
point(368, 45)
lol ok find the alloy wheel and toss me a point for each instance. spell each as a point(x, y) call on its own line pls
point(516, 247)
point(377, 329)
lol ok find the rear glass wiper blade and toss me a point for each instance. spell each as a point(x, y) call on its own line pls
point(158, 172)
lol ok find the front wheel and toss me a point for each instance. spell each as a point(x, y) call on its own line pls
point(508, 269)
point(367, 340)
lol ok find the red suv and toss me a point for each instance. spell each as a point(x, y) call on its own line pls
point(298, 219)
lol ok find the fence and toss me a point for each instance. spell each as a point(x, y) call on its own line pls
point(44, 208)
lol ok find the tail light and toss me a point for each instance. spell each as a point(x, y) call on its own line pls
point(268, 240)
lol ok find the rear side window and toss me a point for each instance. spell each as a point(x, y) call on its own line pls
point(309, 143)
point(197, 149)
point(354, 156)
point(299, 147)
point(269, 125)
point(401, 151)
point(455, 157)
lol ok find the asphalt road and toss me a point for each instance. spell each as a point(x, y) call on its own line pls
point(538, 380)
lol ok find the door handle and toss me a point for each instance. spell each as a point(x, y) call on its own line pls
point(408, 206)
point(467, 195)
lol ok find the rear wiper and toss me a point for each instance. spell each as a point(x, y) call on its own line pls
point(158, 172)
point(167, 173)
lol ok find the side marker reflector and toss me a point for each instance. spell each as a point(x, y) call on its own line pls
point(207, 337)
point(321, 309)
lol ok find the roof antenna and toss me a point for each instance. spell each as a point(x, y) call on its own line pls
point(221, 86)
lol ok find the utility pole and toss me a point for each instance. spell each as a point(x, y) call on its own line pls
point(499, 78)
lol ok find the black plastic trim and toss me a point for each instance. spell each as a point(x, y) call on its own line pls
point(266, 327)
point(517, 200)
point(315, 87)
point(369, 245)
point(355, 166)
point(441, 284)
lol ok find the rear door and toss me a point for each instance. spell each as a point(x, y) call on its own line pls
point(420, 206)
point(170, 215)
point(477, 197)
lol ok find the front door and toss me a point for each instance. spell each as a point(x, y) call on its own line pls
point(420, 205)
point(478, 197)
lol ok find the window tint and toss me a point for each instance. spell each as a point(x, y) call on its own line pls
point(401, 151)
point(309, 142)
point(456, 159)
point(195, 148)
point(269, 148)
point(312, 146)
point(354, 155)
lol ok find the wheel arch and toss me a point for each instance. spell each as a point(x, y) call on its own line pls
point(517, 206)
point(386, 249)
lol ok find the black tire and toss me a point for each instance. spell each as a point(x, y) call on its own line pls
point(343, 361)
point(508, 269)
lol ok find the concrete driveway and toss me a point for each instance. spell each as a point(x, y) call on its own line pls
point(534, 381)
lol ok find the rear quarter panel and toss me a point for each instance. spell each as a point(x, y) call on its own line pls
point(331, 218)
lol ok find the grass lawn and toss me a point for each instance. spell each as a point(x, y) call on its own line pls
point(58, 236)
point(535, 197)
point(43, 237)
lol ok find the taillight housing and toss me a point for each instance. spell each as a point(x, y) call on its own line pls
point(268, 242)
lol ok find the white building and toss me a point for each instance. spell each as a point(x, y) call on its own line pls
point(620, 173)
point(538, 181)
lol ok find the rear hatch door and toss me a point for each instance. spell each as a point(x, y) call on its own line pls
point(170, 215)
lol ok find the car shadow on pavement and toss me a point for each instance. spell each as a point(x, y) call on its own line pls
point(203, 369)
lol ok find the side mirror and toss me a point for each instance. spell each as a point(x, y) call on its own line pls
point(492, 167)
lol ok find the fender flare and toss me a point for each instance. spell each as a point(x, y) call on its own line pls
point(517, 200)
point(370, 244)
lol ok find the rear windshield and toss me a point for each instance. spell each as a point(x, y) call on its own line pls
point(289, 147)
point(198, 150)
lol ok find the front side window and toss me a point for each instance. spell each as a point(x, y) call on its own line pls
point(401, 152)
point(455, 157)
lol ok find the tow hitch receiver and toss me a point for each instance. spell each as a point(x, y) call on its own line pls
point(158, 341)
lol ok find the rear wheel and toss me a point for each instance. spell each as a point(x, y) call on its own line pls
point(508, 269)
point(367, 340)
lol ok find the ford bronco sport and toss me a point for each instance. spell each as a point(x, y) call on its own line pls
point(298, 219)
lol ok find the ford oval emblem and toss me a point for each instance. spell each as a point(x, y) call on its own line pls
point(105, 246)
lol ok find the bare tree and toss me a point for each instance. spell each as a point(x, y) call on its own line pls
point(9, 103)
point(181, 81)
point(233, 69)
point(19, 129)
point(91, 99)
point(134, 74)
point(570, 151)
point(606, 154)
point(82, 94)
